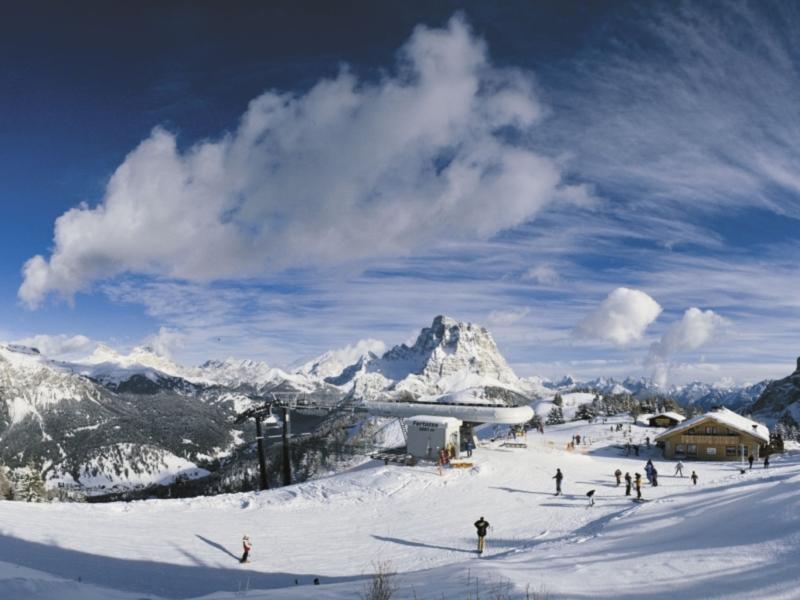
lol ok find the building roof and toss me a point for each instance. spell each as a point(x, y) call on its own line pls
point(726, 417)
point(669, 414)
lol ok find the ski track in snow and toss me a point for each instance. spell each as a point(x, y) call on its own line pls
point(733, 536)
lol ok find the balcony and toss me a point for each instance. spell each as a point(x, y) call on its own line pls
point(711, 439)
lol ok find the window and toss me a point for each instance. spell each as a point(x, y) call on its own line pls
point(711, 430)
point(691, 449)
point(731, 451)
point(680, 449)
point(691, 431)
point(711, 451)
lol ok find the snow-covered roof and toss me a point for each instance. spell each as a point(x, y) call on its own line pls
point(670, 415)
point(726, 417)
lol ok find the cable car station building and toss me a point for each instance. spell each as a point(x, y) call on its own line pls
point(720, 434)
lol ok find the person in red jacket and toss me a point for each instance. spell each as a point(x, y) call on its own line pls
point(246, 546)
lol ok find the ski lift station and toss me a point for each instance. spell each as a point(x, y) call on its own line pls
point(430, 426)
point(427, 435)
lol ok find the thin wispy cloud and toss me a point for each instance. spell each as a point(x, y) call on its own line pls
point(694, 110)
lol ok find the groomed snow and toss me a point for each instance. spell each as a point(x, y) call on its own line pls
point(732, 536)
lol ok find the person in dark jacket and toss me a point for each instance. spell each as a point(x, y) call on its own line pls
point(766, 461)
point(482, 526)
point(628, 482)
point(654, 476)
point(559, 477)
point(638, 485)
point(470, 446)
point(618, 475)
point(750, 459)
point(694, 477)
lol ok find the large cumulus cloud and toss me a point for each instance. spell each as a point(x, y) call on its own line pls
point(622, 318)
point(346, 170)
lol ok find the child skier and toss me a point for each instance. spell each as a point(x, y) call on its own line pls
point(679, 469)
point(246, 546)
point(618, 475)
point(694, 478)
point(638, 482)
point(628, 484)
point(481, 525)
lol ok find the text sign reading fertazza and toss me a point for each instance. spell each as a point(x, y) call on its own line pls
point(427, 426)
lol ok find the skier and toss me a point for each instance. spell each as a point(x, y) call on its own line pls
point(750, 459)
point(618, 475)
point(627, 484)
point(246, 546)
point(654, 477)
point(636, 449)
point(638, 485)
point(559, 476)
point(766, 461)
point(679, 469)
point(590, 495)
point(481, 525)
point(577, 440)
point(694, 478)
point(648, 470)
point(647, 441)
point(470, 445)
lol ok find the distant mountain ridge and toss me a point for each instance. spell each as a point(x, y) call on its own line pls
point(138, 417)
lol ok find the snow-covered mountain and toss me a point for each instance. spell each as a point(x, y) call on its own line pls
point(780, 399)
point(63, 420)
point(447, 357)
point(697, 393)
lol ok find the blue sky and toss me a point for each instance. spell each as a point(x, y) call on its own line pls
point(610, 188)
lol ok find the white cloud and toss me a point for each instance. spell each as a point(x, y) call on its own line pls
point(697, 113)
point(621, 318)
point(508, 317)
point(166, 341)
point(695, 329)
point(57, 346)
point(542, 274)
point(350, 169)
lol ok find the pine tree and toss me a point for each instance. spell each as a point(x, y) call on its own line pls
point(556, 416)
point(6, 489)
point(585, 412)
point(558, 400)
point(32, 486)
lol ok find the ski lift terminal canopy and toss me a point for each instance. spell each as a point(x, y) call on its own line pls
point(468, 413)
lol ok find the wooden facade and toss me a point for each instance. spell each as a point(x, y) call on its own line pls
point(708, 439)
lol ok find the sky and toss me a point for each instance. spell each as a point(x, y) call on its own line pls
point(611, 188)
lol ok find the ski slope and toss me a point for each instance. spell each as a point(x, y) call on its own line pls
point(732, 536)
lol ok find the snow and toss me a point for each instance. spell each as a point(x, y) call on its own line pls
point(728, 418)
point(670, 414)
point(570, 406)
point(733, 536)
